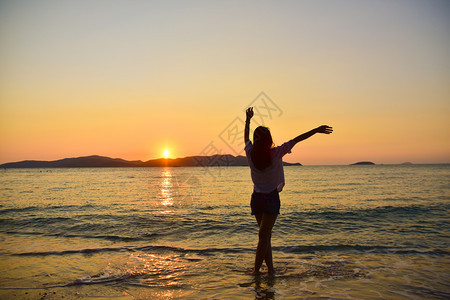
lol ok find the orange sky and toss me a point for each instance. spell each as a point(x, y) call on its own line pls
point(130, 79)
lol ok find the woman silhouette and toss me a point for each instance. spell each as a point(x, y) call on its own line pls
point(267, 174)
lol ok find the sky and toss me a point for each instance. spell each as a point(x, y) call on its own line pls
point(131, 79)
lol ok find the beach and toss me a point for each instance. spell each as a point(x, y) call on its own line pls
point(345, 232)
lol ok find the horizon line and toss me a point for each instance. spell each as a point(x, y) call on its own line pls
point(168, 158)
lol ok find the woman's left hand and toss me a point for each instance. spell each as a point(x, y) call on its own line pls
point(249, 113)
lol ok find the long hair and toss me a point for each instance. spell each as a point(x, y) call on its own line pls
point(262, 143)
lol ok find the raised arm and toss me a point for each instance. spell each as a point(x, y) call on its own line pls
point(249, 115)
point(321, 129)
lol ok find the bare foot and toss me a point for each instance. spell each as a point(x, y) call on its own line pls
point(254, 272)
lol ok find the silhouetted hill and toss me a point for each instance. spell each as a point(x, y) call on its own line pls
point(93, 161)
point(96, 161)
point(363, 163)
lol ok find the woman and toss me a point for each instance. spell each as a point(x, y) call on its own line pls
point(267, 174)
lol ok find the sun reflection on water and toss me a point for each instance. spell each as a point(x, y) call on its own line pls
point(166, 189)
point(150, 270)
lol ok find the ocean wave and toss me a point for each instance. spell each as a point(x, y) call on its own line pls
point(371, 214)
point(80, 251)
point(207, 209)
point(18, 210)
point(311, 249)
point(361, 249)
point(47, 208)
point(382, 222)
point(113, 238)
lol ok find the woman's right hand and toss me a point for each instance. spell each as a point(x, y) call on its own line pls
point(324, 129)
point(249, 113)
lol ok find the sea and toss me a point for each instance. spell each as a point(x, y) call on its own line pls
point(344, 232)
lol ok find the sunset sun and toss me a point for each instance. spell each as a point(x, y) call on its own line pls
point(166, 153)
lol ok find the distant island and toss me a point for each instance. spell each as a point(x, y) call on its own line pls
point(96, 161)
point(363, 163)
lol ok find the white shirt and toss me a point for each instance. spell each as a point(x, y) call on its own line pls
point(273, 176)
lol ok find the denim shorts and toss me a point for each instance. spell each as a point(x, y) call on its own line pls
point(268, 203)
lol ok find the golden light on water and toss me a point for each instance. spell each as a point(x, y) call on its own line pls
point(166, 189)
point(156, 271)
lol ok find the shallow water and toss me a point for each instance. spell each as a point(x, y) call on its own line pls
point(347, 232)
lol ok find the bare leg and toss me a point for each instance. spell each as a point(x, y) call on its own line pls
point(268, 257)
point(264, 249)
point(269, 260)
